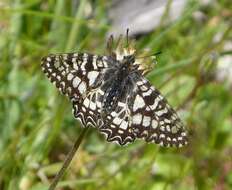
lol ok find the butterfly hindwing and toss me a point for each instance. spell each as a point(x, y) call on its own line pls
point(88, 109)
point(117, 125)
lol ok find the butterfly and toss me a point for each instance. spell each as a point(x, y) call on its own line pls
point(110, 92)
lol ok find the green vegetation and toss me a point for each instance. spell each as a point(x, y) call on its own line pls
point(37, 127)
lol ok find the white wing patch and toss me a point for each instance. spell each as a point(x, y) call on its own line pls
point(137, 119)
point(138, 103)
point(92, 76)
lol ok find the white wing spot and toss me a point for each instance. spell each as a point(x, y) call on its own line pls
point(82, 87)
point(124, 125)
point(62, 84)
point(161, 112)
point(146, 121)
point(100, 64)
point(183, 134)
point(60, 68)
point(105, 63)
point(75, 66)
point(153, 107)
point(57, 64)
point(113, 114)
point(167, 120)
point(174, 129)
point(117, 121)
point(144, 88)
point(84, 63)
point(76, 82)
point(92, 106)
point(139, 83)
point(58, 78)
point(154, 124)
point(101, 92)
point(137, 119)
point(148, 92)
point(49, 59)
point(92, 75)
point(86, 102)
point(98, 104)
point(162, 128)
point(138, 103)
point(168, 128)
point(70, 76)
point(83, 108)
point(121, 104)
point(94, 62)
point(154, 135)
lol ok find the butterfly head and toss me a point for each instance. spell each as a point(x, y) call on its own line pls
point(125, 52)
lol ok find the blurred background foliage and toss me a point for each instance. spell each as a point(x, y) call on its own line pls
point(37, 128)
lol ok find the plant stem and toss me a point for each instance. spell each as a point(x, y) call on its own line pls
point(68, 159)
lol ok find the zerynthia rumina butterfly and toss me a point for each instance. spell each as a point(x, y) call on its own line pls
point(110, 92)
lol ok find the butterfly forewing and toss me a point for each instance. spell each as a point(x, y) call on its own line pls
point(153, 118)
point(73, 73)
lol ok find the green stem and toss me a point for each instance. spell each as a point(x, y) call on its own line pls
point(68, 159)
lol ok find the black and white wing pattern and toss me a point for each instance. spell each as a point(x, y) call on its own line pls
point(73, 73)
point(76, 75)
point(117, 126)
point(140, 113)
point(153, 119)
point(144, 114)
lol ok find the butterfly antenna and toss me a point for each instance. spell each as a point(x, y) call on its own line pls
point(151, 55)
point(68, 159)
point(119, 41)
point(110, 44)
point(127, 37)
